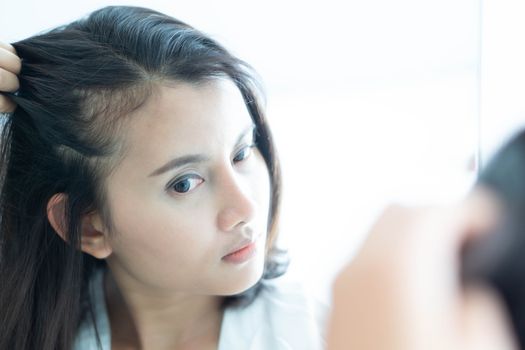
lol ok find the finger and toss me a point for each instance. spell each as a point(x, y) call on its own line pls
point(479, 213)
point(9, 61)
point(8, 81)
point(485, 324)
point(6, 105)
point(8, 47)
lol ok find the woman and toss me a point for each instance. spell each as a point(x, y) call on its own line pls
point(140, 194)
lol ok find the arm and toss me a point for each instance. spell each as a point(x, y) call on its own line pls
point(403, 290)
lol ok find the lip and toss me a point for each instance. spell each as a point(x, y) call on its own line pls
point(242, 251)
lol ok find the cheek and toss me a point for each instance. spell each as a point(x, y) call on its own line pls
point(153, 235)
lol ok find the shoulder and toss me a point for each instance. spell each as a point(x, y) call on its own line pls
point(283, 316)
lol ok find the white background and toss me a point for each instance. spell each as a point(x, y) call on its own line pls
point(371, 101)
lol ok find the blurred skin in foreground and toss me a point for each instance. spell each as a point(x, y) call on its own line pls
point(403, 290)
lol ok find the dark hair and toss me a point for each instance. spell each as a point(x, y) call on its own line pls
point(498, 259)
point(77, 84)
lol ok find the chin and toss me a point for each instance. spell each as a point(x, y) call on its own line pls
point(242, 278)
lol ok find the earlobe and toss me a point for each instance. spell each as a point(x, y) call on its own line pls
point(93, 239)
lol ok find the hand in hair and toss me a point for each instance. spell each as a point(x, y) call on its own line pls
point(9, 67)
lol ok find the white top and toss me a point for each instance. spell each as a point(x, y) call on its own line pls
point(282, 317)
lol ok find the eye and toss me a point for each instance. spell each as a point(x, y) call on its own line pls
point(243, 154)
point(186, 183)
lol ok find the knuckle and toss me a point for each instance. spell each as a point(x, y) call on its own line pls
point(6, 105)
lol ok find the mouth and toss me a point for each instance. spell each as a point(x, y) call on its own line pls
point(243, 252)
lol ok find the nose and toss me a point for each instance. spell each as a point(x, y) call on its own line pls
point(236, 206)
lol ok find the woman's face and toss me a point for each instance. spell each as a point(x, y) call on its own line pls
point(191, 189)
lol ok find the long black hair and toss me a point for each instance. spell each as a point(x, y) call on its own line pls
point(77, 84)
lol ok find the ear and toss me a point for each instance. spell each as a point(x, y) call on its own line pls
point(93, 236)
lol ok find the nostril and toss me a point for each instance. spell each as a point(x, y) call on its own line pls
point(231, 219)
point(247, 232)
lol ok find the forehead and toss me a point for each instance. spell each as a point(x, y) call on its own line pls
point(182, 118)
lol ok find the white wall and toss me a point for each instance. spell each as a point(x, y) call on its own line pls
point(503, 72)
point(371, 101)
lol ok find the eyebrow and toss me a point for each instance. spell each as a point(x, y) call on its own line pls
point(194, 158)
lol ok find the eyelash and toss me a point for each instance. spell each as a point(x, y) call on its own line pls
point(173, 185)
point(248, 148)
point(200, 180)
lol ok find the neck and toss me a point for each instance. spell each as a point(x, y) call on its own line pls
point(143, 320)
